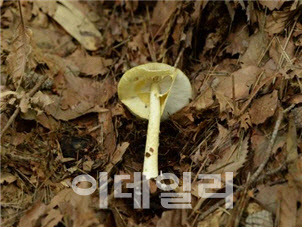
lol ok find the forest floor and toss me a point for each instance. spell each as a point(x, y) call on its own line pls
point(61, 117)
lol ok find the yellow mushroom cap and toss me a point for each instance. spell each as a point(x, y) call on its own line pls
point(174, 86)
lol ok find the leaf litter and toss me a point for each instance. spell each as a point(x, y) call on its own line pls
point(61, 116)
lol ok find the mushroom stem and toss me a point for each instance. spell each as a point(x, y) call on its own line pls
point(150, 169)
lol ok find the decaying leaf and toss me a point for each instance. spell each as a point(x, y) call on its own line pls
point(263, 108)
point(77, 24)
point(260, 219)
point(173, 218)
point(18, 57)
point(257, 45)
point(7, 177)
point(30, 219)
point(231, 159)
point(117, 156)
point(272, 4)
point(89, 65)
point(243, 78)
point(79, 96)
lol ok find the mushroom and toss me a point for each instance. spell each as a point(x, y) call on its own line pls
point(154, 91)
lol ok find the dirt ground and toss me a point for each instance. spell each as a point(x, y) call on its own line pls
point(61, 117)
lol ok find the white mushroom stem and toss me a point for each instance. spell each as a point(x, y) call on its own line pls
point(152, 142)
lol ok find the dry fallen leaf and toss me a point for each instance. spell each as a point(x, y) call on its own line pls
point(117, 156)
point(243, 78)
point(77, 24)
point(257, 45)
point(18, 57)
point(232, 159)
point(79, 96)
point(30, 219)
point(259, 219)
point(263, 108)
point(173, 218)
point(271, 4)
point(108, 137)
point(239, 40)
point(212, 220)
point(89, 65)
point(7, 177)
point(204, 100)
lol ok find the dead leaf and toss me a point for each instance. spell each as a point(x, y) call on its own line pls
point(232, 159)
point(212, 220)
point(272, 4)
point(204, 100)
point(257, 45)
point(108, 137)
point(7, 177)
point(89, 65)
point(41, 99)
point(263, 108)
point(243, 78)
point(52, 219)
point(288, 197)
point(47, 7)
point(259, 219)
point(162, 12)
point(19, 54)
point(239, 40)
point(276, 51)
point(78, 25)
point(173, 218)
point(276, 22)
point(79, 96)
point(30, 219)
point(117, 156)
point(77, 208)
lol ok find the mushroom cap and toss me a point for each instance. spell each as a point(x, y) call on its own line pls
point(174, 88)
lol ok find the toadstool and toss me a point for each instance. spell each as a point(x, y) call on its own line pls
point(154, 91)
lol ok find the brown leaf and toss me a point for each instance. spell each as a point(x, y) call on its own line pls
point(18, 57)
point(117, 156)
point(108, 137)
point(259, 219)
point(239, 40)
point(232, 159)
point(52, 219)
point(213, 220)
point(77, 25)
point(288, 197)
point(276, 22)
point(48, 7)
point(204, 100)
point(276, 51)
point(263, 108)
point(257, 45)
point(243, 78)
point(79, 96)
point(162, 12)
point(75, 207)
point(30, 219)
point(7, 177)
point(272, 4)
point(89, 65)
point(173, 218)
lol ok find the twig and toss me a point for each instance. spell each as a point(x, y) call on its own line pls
point(178, 57)
point(16, 112)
